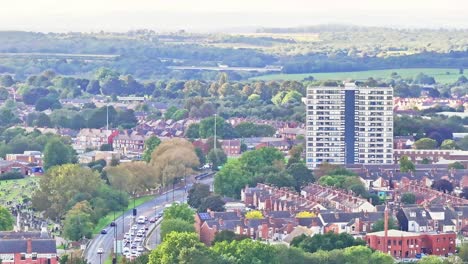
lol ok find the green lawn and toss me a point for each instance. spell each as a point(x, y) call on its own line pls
point(440, 75)
point(106, 220)
point(17, 190)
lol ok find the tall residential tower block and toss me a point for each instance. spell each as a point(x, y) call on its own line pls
point(349, 124)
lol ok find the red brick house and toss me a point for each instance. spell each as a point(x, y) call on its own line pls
point(408, 245)
point(231, 147)
point(28, 251)
point(13, 166)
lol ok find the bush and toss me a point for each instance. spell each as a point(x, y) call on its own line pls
point(12, 175)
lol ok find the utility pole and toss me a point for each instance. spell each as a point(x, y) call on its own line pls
point(215, 132)
point(107, 117)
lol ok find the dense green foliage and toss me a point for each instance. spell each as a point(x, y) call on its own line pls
point(175, 225)
point(186, 248)
point(11, 175)
point(6, 220)
point(328, 241)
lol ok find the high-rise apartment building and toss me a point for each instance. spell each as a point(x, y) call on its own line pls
point(349, 125)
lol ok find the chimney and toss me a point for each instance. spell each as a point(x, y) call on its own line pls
point(220, 221)
point(265, 230)
point(29, 246)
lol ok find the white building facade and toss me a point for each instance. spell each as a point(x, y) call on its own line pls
point(349, 125)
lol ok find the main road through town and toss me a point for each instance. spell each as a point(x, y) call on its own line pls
point(124, 222)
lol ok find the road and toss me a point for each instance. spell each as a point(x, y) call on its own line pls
point(124, 222)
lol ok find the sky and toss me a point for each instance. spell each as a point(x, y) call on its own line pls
point(226, 15)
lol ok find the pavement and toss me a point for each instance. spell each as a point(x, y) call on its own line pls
point(149, 209)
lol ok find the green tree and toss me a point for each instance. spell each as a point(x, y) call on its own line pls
point(212, 202)
point(301, 174)
point(448, 144)
point(227, 235)
point(63, 186)
point(4, 94)
point(201, 156)
point(328, 241)
point(197, 193)
point(180, 211)
point(456, 165)
point(246, 251)
point(6, 220)
point(230, 179)
point(78, 224)
point(406, 165)
point(175, 225)
point(193, 131)
point(357, 254)
point(217, 158)
point(171, 248)
point(150, 144)
point(431, 260)
point(463, 253)
point(206, 128)
point(408, 198)
point(57, 153)
point(170, 112)
point(425, 143)
point(6, 80)
point(379, 225)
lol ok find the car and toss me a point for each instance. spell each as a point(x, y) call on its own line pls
point(128, 254)
point(138, 239)
point(126, 250)
point(103, 232)
point(159, 215)
point(134, 227)
point(140, 249)
point(133, 245)
point(146, 228)
point(152, 220)
point(100, 250)
point(112, 223)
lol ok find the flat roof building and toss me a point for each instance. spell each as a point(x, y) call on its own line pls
point(349, 125)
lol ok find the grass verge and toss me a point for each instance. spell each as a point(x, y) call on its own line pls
point(106, 220)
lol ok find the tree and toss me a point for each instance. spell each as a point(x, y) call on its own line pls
point(6, 220)
point(150, 144)
point(63, 186)
point(230, 179)
point(6, 80)
point(57, 153)
point(301, 174)
point(133, 177)
point(106, 147)
point(379, 225)
point(327, 241)
point(212, 202)
point(295, 154)
point(254, 214)
point(448, 144)
point(175, 225)
point(305, 214)
point(197, 193)
point(408, 198)
point(431, 260)
point(463, 143)
point(246, 251)
point(217, 158)
point(78, 224)
point(463, 253)
point(193, 131)
point(406, 165)
point(249, 129)
point(443, 185)
point(227, 235)
point(200, 155)
point(425, 143)
point(4, 94)
point(173, 159)
point(180, 211)
point(42, 120)
point(169, 251)
point(456, 165)
point(206, 128)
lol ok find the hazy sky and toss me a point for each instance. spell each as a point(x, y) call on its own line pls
point(122, 15)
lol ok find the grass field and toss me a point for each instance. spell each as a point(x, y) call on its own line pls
point(439, 74)
point(17, 190)
point(106, 220)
